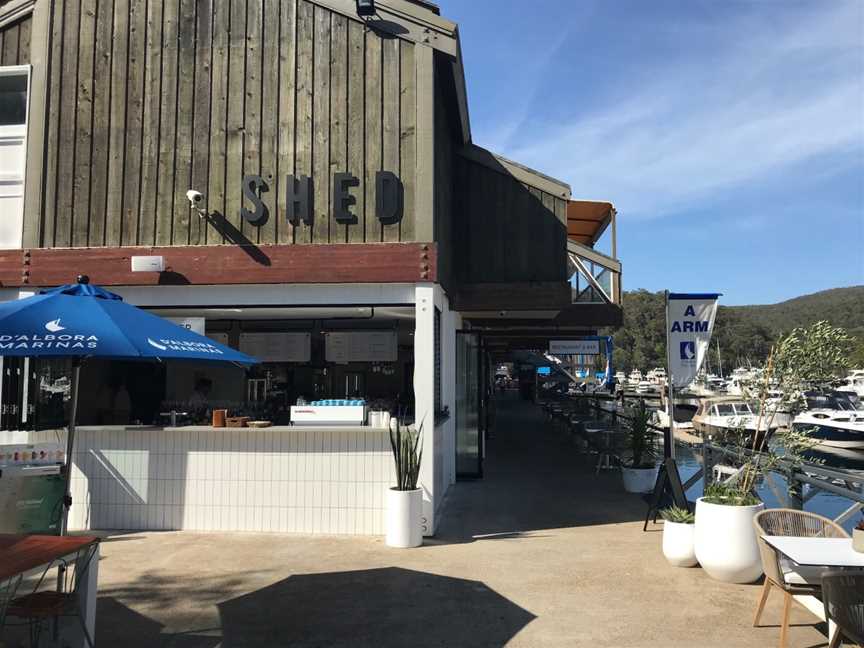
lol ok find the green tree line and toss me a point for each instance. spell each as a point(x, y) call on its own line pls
point(745, 333)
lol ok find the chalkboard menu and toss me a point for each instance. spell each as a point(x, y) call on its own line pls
point(277, 347)
point(361, 346)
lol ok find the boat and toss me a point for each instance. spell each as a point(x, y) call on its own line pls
point(707, 386)
point(833, 428)
point(853, 383)
point(644, 387)
point(730, 415)
point(658, 376)
point(620, 377)
point(635, 377)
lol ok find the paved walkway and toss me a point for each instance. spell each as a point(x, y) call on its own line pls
point(540, 553)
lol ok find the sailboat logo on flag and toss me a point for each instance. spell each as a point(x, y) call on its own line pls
point(688, 350)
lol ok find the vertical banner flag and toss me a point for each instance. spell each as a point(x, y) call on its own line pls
point(689, 323)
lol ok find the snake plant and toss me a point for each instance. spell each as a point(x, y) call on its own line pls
point(407, 455)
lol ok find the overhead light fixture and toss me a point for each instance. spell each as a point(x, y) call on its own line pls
point(365, 7)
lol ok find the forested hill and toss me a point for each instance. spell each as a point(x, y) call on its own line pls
point(745, 333)
point(840, 306)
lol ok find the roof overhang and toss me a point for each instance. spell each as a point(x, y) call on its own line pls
point(520, 172)
point(587, 220)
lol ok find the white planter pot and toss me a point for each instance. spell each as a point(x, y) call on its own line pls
point(404, 518)
point(726, 541)
point(858, 540)
point(679, 544)
point(639, 480)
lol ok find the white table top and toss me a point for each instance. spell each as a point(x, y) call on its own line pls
point(822, 552)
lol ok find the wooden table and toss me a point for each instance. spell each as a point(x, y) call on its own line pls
point(20, 554)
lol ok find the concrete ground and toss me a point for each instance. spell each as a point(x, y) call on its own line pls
point(539, 553)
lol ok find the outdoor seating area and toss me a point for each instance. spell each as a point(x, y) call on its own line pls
point(523, 558)
point(596, 433)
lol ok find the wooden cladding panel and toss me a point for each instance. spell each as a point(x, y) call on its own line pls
point(515, 232)
point(149, 98)
point(15, 42)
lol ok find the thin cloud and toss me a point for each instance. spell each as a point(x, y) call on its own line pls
point(767, 99)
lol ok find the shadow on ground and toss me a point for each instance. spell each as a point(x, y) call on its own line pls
point(376, 608)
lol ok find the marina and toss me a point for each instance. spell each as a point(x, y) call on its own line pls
point(314, 329)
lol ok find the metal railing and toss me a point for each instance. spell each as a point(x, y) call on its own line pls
point(816, 478)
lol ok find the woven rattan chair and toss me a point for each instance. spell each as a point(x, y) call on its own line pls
point(843, 594)
point(779, 574)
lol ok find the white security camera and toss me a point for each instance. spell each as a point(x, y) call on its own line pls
point(194, 197)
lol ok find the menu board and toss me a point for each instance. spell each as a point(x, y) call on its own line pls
point(277, 347)
point(361, 346)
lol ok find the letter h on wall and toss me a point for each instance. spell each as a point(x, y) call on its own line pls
point(299, 200)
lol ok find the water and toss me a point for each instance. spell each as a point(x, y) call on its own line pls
point(823, 503)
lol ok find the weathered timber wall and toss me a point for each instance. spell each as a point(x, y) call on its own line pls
point(15, 42)
point(147, 99)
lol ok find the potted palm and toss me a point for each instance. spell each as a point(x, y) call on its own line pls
point(404, 500)
point(679, 537)
point(639, 468)
point(725, 537)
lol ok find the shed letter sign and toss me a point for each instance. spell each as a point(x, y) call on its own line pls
point(299, 194)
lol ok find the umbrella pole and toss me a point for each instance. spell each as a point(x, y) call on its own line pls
point(70, 442)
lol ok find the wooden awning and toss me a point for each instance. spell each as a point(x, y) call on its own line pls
point(587, 220)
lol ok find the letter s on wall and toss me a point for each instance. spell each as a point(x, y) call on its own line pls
point(253, 186)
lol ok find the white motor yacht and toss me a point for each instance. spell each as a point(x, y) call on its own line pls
point(720, 416)
point(854, 383)
point(635, 377)
point(841, 428)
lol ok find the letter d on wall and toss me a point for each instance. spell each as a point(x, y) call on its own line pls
point(388, 197)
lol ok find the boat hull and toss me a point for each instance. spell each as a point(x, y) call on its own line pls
point(833, 436)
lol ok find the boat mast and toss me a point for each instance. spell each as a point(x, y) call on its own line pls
point(719, 359)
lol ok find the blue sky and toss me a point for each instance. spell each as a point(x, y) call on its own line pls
point(728, 134)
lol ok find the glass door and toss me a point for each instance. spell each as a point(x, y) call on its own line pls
point(469, 437)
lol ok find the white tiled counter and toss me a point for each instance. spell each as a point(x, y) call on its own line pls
point(281, 479)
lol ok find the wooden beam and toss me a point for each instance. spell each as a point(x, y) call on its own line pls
point(40, 55)
point(224, 264)
point(424, 204)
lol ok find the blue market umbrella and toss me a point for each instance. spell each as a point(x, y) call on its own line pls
point(81, 321)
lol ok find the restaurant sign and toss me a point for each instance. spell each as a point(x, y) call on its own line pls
point(299, 194)
point(574, 347)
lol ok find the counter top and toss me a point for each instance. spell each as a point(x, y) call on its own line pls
point(210, 428)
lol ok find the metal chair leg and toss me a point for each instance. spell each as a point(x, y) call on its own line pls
point(86, 632)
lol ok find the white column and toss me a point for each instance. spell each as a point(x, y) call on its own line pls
point(424, 395)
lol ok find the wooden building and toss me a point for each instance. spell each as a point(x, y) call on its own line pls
point(286, 153)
